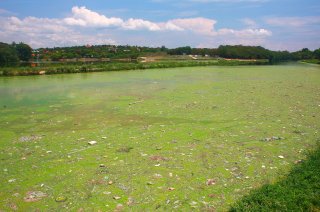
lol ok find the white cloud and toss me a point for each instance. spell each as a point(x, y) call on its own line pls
point(188, 13)
point(84, 17)
point(81, 16)
point(294, 33)
point(32, 25)
point(171, 26)
point(245, 33)
point(204, 26)
point(84, 26)
point(44, 32)
point(4, 12)
point(293, 21)
point(198, 25)
point(135, 24)
point(249, 22)
point(250, 37)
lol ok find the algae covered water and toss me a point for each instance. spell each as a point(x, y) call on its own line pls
point(166, 139)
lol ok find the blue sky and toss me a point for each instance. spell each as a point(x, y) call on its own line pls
point(274, 24)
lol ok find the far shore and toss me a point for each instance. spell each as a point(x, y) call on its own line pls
point(47, 68)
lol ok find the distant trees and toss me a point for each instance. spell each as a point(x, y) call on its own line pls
point(248, 52)
point(23, 50)
point(316, 54)
point(133, 52)
point(279, 56)
point(227, 51)
point(303, 54)
point(163, 49)
point(258, 52)
point(11, 54)
point(98, 51)
point(8, 55)
point(180, 51)
point(243, 52)
point(204, 52)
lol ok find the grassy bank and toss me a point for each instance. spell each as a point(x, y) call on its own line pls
point(312, 61)
point(298, 191)
point(116, 66)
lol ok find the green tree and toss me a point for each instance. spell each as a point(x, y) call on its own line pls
point(180, 51)
point(306, 53)
point(303, 54)
point(24, 51)
point(244, 52)
point(316, 54)
point(163, 48)
point(8, 55)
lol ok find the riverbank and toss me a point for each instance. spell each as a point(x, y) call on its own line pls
point(64, 68)
point(298, 191)
point(311, 61)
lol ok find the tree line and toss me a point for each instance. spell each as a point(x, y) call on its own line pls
point(248, 52)
point(12, 54)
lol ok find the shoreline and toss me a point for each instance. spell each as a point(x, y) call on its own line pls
point(104, 67)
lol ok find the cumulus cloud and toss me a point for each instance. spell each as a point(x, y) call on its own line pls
point(171, 26)
point(204, 26)
point(245, 33)
point(81, 16)
point(44, 32)
point(86, 26)
point(249, 22)
point(198, 25)
point(293, 33)
point(135, 24)
point(235, 37)
point(293, 21)
point(84, 17)
point(5, 12)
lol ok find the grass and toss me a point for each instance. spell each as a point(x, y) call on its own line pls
point(299, 191)
point(312, 61)
point(167, 139)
